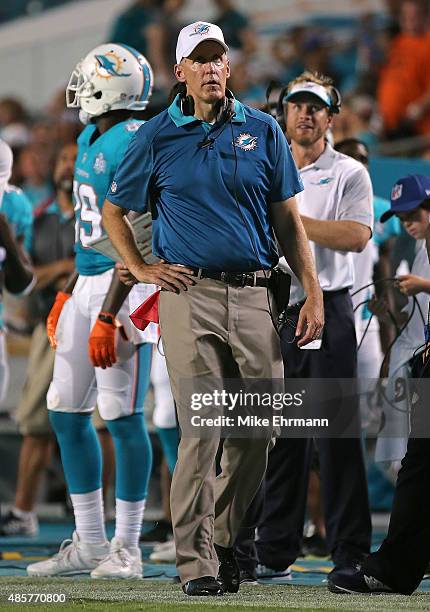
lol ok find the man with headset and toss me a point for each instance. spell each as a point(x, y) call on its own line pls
point(220, 180)
point(336, 211)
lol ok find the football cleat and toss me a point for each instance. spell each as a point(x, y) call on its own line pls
point(121, 562)
point(74, 557)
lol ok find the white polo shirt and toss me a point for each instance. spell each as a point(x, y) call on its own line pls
point(337, 188)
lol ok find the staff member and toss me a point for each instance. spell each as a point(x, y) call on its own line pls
point(336, 210)
point(399, 564)
point(220, 177)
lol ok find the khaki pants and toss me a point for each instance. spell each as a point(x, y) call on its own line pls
point(32, 413)
point(215, 331)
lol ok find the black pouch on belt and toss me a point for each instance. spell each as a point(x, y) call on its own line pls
point(280, 283)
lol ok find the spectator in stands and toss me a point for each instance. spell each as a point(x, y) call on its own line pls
point(141, 27)
point(316, 53)
point(404, 86)
point(236, 26)
point(34, 169)
point(358, 120)
point(172, 26)
point(61, 125)
point(242, 83)
point(372, 43)
point(287, 52)
point(13, 123)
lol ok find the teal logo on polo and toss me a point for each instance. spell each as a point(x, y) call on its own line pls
point(324, 181)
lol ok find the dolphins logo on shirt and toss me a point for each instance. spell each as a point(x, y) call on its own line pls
point(246, 142)
point(324, 180)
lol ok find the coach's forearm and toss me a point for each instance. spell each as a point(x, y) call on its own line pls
point(294, 243)
point(121, 235)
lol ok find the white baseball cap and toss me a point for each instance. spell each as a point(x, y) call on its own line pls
point(311, 88)
point(195, 33)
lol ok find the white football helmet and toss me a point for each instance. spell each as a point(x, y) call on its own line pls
point(110, 77)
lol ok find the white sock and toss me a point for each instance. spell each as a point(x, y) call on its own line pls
point(24, 514)
point(129, 516)
point(89, 516)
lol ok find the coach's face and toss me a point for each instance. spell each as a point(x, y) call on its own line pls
point(205, 72)
point(307, 119)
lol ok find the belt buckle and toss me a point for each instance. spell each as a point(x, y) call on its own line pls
point(233, 278)
point(249, 279)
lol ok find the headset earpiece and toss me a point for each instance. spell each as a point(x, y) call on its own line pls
point(228, 111)
point(336, 100)
point(186, 104)
point(226, 106)
point(280, 111)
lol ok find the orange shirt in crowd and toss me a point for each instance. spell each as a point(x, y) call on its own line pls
point(405, 78)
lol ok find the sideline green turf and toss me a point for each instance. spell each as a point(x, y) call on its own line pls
point(150, 596)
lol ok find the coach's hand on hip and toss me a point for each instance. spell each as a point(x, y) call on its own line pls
point(311, 319)
point(170, 277)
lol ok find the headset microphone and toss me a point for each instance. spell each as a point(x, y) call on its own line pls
point(206, 143)
point(226, 117)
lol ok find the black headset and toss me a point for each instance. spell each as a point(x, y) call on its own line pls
point(225, 110)
point(335, 102)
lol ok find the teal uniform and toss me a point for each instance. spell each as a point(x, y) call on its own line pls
point(19, 213)
point(383, 231)
point(96, 164)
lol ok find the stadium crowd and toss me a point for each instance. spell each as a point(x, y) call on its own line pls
point(380, 67)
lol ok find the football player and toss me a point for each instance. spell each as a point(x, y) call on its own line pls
point(16, 274)
point(89, 326)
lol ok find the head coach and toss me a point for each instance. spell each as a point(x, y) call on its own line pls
point(336, 211)
point(221, 183)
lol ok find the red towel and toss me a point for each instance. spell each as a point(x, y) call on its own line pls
point(147, 312)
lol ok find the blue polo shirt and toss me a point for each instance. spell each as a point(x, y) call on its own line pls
point(190, 188)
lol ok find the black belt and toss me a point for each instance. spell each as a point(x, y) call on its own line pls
point(236, 279)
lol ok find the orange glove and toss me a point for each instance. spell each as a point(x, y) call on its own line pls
point(101, 344)
point(52, 320)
